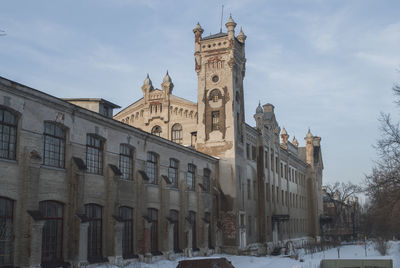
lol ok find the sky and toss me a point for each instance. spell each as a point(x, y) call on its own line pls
point(327, 65)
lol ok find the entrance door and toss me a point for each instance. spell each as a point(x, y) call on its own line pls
point(52, 234)
point(242, 238)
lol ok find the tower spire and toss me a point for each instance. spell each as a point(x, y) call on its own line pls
point(222, 15)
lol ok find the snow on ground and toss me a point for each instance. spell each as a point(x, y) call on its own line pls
point(310, 260)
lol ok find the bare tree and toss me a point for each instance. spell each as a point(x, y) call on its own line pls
point(341, 193)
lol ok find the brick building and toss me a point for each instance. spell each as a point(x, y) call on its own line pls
point(163, 177)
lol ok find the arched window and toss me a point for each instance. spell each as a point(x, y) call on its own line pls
point(126, 214)
point(54, 145)
point(94, 154)
point(94, 216)
point(176, 133)
point(215, 95)
point(152, 167)
point(52, 235)
point(8, 134)
point(126, 153)
point(156, 130)
point(6, 231)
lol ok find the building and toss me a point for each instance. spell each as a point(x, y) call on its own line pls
point(163, 177)
point(340, 219)
point(270, 187)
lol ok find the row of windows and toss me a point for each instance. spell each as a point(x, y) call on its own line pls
point(176, 132)
point(286, 198)
point(52, 235)
point(53, 151)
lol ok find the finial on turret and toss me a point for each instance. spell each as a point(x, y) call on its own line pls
point(167, 78)
point(241, 36)
point(259, 109)
point(284, 135)
point(147, 81)
point(309, 135)
point(295, 142)
point(230, 25)
point(198, 28)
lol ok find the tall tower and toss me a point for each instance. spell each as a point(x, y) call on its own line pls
point(220, 66)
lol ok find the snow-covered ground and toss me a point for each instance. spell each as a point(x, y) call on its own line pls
point(310, 260)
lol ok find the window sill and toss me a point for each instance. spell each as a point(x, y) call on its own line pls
point(53, 168)
point(174, 188)
point(11, 161)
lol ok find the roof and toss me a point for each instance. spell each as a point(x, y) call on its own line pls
point(94, 100)
point(211, 36)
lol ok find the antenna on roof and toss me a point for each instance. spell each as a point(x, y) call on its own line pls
point(222, 15)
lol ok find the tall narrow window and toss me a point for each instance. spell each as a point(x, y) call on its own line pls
point(153, 218)
point(152, 167)
point(94, 154)
point(207, 217)
point(176, 133)
point(156, 130)
point(215, 120)
point(126, 214)
point(174, 217)
point(173, 172)
point(8, 134)
point(192, 217)
point(126, 153)
point(53, 145)
point(215, 95)
point(206, 179)
point(6, 231)
point(52, 235)
point(190, 177)
point(248, 189)
point(94, 215)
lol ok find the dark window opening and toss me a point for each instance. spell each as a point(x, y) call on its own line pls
point(126, 214)
point(173, 172)
point(8, 134)
point(214, 120)
point(156, 130)
point(53, 145)
point(176, 133)
point(190, 177)
point(153, 218)
point(126, 153)
point(94, 154)
point(174, 215)
point(6, 231)
point(206, 180)
point(151, 167)
point(52, 235)
point(94, 215)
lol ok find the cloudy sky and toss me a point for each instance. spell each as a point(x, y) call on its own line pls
point(328, 65)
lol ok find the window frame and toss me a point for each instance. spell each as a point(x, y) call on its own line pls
point(98, 168)
point(177, 134)
point(156, 130)
point(126, 161)
point(127, 231)
point(8, 205)
point(173, 172)
point(207, 180)
point(192, 171)
point(152, 165)
point(13, 127)
point(62, 139)
point(215, 123)
point(95, 230)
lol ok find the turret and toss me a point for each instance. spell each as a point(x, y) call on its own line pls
point(309, 148)
point(167, 84)
point(284, 136)
point(258, 116)
point(241, 36)
point(295, 142)
point(147, 87)
point(230, 25)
